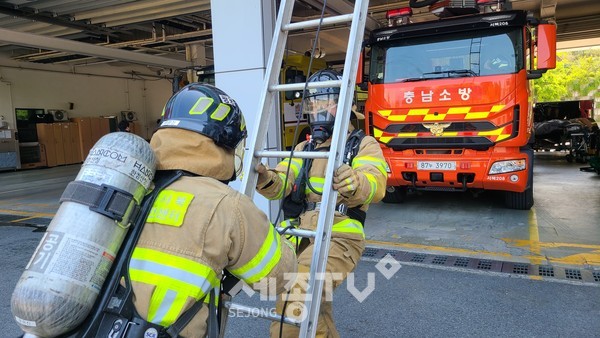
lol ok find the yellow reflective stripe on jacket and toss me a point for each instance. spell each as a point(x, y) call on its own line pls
point(175, 278)
point(295, 165)
point(376, 162)
point(317, 183)
point(373, 184)
point(170, 208)
point(267, 257)
point(279, 195)
point(349, 226)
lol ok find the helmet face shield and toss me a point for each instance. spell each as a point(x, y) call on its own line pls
point(321, 108)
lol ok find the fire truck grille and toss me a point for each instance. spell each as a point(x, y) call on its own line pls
point(454, 127)
point(477, 143)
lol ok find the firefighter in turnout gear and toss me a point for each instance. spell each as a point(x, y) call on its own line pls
point(359, 182)
point(199, 226)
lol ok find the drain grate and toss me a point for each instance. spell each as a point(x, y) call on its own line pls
point(370, 252)
point(573, 274)
point(440, 260)
point(546, 271)
point(461, 262)
point(419, 258)
point(484, 265)
point(521, 269)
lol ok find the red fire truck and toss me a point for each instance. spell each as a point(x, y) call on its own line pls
point(450, 99)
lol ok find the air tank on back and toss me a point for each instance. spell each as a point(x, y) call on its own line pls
point(67, 270)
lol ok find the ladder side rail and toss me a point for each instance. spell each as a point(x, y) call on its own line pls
point(257, 138)
point(323, 235)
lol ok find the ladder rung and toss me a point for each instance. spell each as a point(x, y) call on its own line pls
point(332, 20)
point(286, 154)
point(258, 312)
point(297, 232)
point(300, 85)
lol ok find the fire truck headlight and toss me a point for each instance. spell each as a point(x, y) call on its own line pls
point(502, 167)
point(387, 168)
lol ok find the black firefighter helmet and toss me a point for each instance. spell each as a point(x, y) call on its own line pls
point(207, 110)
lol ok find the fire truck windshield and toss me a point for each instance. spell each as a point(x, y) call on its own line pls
point(466, 54)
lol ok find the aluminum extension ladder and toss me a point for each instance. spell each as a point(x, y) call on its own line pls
point(257, 138)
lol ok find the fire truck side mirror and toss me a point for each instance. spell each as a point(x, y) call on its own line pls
point(546, 46)
point(360, 71)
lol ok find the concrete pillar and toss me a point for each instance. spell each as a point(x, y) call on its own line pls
point(242, 35)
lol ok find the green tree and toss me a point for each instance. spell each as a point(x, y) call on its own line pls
point(577, 73)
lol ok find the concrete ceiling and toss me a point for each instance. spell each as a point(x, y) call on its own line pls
point(158, 32)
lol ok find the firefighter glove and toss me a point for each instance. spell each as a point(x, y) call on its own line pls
point(263, 174)
point(346, 181)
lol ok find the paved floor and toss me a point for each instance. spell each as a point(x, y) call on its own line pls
point(429, 234)
point(562, 228)
point(418, 300)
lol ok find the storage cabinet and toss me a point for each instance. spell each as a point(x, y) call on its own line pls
point(61, 141)
point(88, 131)
point(84, 135)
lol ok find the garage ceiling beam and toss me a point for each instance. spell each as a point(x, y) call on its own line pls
point(38, 41)
point(49, 18)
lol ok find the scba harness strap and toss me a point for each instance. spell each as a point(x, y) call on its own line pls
point(138, 327)
point(295, 203)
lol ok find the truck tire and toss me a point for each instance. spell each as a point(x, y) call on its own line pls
point(519, 200)
point(522, 200)
point(394, 195)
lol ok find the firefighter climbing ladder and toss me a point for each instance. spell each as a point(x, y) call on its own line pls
point(257, 137)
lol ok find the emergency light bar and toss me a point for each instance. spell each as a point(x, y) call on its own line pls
point(489, 2)
point(398, 16)
point(487, 6)
point(447, 8)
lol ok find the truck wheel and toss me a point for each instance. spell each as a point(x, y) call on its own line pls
point(519, 200)
point(394, 195)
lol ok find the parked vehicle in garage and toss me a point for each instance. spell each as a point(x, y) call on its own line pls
point(449, 100)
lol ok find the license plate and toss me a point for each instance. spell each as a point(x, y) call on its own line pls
point(436, 165)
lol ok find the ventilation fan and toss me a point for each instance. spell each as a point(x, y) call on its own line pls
point(129, 115)
point(58, 115)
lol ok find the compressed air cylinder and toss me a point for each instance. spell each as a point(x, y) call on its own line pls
point(67, 270)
